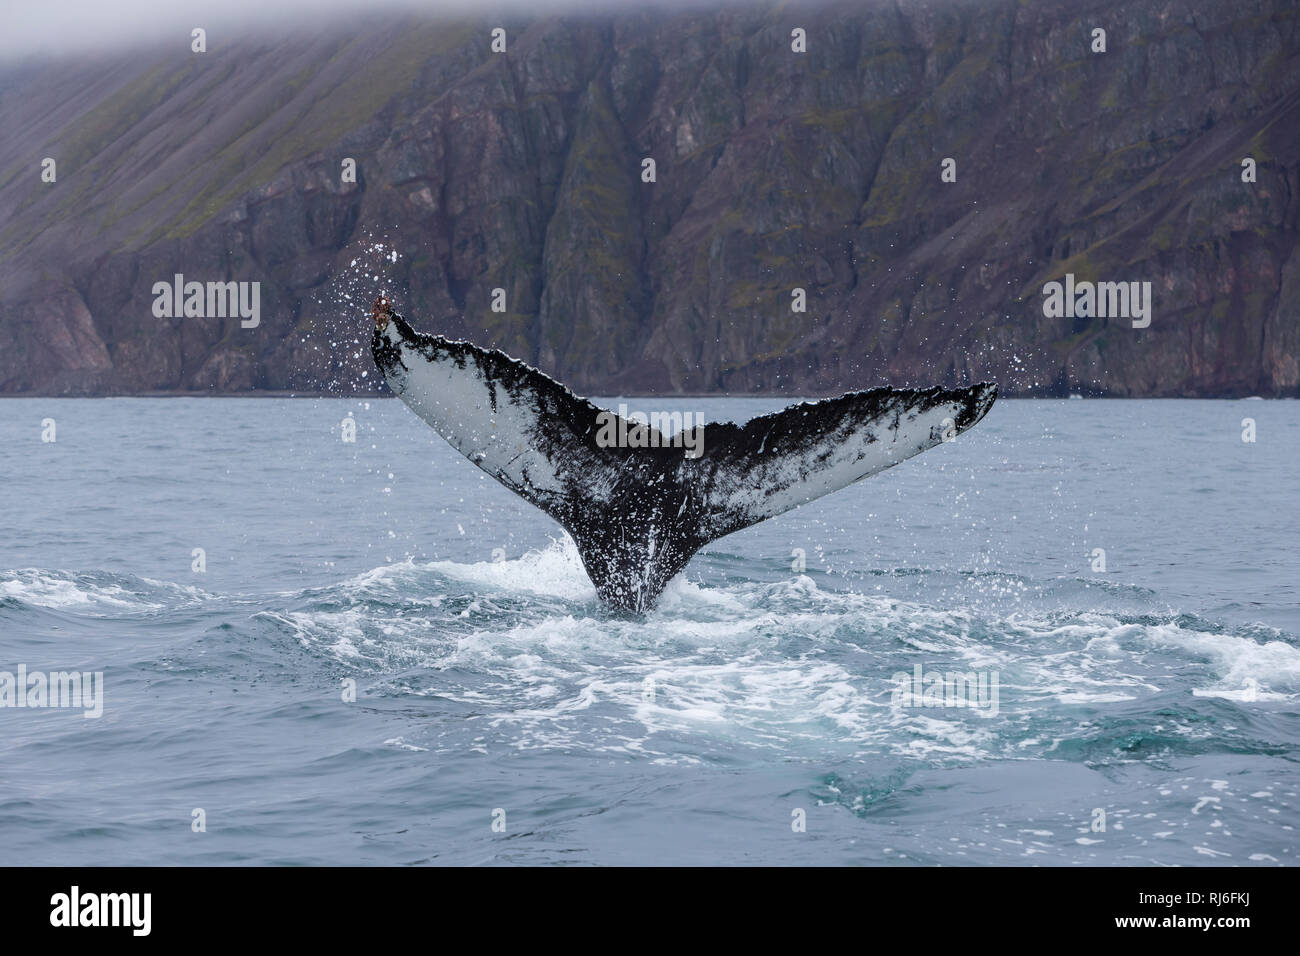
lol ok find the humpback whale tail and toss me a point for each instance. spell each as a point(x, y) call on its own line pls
point(638, 514)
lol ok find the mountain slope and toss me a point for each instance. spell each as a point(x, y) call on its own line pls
point(775, 170)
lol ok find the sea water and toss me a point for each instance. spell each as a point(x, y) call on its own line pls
point(321, 651)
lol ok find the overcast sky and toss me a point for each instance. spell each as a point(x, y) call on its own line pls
point(78, 26)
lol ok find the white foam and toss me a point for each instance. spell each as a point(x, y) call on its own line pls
point(1247, 670)
point(340, 631)
point(555, 571)
point(717, 663)
point(39, 589)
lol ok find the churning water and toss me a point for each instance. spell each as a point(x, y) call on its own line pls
point(1144, 713)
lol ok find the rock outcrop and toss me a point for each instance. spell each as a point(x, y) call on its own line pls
point(774, 170)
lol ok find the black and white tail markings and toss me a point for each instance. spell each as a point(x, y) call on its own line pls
point(638, 514)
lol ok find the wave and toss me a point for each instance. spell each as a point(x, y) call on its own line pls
point(523, 651)
point(94, 592)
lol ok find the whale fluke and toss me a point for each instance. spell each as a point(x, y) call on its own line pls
point(638, 514)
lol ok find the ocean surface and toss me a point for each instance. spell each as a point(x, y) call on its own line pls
point(1137, 707)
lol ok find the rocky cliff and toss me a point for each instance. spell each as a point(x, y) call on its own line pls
point(775, 170)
